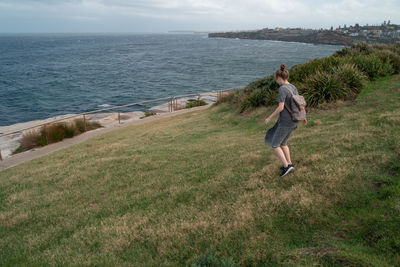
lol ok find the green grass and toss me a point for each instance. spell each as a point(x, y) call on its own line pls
point(203, 186)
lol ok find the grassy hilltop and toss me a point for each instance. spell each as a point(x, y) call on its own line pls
point(203, 188)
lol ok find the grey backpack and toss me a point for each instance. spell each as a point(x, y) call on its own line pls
point(297, 107)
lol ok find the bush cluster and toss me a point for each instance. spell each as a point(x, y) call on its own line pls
point(148, 114)
point(54, 133)
point(390, 57)
point(260, 92)
point(338, 77)
point(341, 83)
point(195, 103)
point(371, 65)
point(301, 72)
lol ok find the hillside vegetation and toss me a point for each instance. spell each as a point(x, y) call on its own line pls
point(202, 189)
point(341, 76)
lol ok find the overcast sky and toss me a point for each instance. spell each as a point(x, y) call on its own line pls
point(209, 15)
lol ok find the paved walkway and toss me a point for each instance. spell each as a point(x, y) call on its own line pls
point(39, 152)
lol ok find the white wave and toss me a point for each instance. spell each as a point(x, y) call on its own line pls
point(104, 106)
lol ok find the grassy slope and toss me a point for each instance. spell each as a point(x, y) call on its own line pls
point(164, 192)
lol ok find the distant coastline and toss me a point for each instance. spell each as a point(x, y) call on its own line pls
point(289, 36)
point(382, 34)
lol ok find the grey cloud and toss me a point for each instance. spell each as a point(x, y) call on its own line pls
point(52, 2)
point(194, 14)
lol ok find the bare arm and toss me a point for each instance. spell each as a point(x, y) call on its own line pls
point(278, 110)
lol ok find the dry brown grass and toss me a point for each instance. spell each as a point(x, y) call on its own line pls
point(53, 133)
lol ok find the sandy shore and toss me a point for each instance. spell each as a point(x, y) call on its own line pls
point(8, 144)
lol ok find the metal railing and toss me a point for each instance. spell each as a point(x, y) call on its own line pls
point(172, 106)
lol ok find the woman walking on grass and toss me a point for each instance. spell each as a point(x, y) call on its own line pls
point(278, 135)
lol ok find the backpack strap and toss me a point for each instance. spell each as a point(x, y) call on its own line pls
point(290, 91)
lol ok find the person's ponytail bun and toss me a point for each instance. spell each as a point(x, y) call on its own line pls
point(282, 72)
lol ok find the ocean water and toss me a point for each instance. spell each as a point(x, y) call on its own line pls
point(43, 76)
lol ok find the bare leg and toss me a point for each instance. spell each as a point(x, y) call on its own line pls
point(279, 152)
point(286, 151)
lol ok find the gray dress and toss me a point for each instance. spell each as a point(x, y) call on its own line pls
point(279, 134)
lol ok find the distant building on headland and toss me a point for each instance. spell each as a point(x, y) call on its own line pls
point(385, 33)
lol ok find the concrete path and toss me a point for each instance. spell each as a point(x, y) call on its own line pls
point(39, 152)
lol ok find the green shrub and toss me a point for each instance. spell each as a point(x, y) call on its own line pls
point(79, 126)
point(18, 150)
point(260, 92)
point(43, 140)
point(69, 130)
point(257, 97)
point(255, 93)
point(352, 78)
point(382, 47)
point(372, 66)
point(386, 53)
point(30, 140)
point(271, 97)
point(396, 48)
point(55, 132)
point(391, 58)
point(299, 73)
point(323, 87)
point(342, 53)
point(361, 49)
point(226, 97)
point(195, 103)
point(148, 114)
point(90, 125)
point(244, 104)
